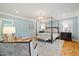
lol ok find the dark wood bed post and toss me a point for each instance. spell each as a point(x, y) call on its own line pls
point(51, 29)
point(58, 30)
point(58, 27)
point(36, 27)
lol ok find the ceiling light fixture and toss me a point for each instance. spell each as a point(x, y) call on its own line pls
point(17, 11)
point(40, 17)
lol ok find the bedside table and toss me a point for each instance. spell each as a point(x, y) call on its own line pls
point(66, 36)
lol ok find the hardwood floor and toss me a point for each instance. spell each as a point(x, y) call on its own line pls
point(70, 48)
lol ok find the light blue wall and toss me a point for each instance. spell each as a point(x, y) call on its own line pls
point(78, 27)
point(75, 19)
point(22, 26)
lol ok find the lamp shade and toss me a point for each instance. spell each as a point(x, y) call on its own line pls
point(8, 30)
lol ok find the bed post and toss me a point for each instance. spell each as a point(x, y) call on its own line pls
point(36, 27)
point(58, 27)
point(51, 29)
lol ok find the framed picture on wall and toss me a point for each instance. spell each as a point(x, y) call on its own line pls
point(31, 27)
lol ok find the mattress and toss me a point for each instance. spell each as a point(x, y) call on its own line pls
point(46, 36)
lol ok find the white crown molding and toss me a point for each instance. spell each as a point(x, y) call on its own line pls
point(15, 16)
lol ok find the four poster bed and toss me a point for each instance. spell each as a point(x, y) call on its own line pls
point(50, 34)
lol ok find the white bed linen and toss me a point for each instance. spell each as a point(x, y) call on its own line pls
point(46, 36)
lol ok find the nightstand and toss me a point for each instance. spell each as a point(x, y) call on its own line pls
point(66, 36)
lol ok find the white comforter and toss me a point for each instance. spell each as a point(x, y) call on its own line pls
point(46, 36)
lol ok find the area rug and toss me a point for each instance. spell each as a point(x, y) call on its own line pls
point(48, 49)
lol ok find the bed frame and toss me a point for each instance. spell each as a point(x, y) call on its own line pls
point(50, 40)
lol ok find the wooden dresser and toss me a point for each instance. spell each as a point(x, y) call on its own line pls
point(66, 36)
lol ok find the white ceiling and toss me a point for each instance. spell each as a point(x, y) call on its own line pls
point(32, 10)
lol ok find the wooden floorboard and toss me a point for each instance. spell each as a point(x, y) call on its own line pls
point(70, 48)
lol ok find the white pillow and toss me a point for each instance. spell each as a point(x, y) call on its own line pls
point(55, 30)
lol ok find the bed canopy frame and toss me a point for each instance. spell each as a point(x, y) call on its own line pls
point(51, 19)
